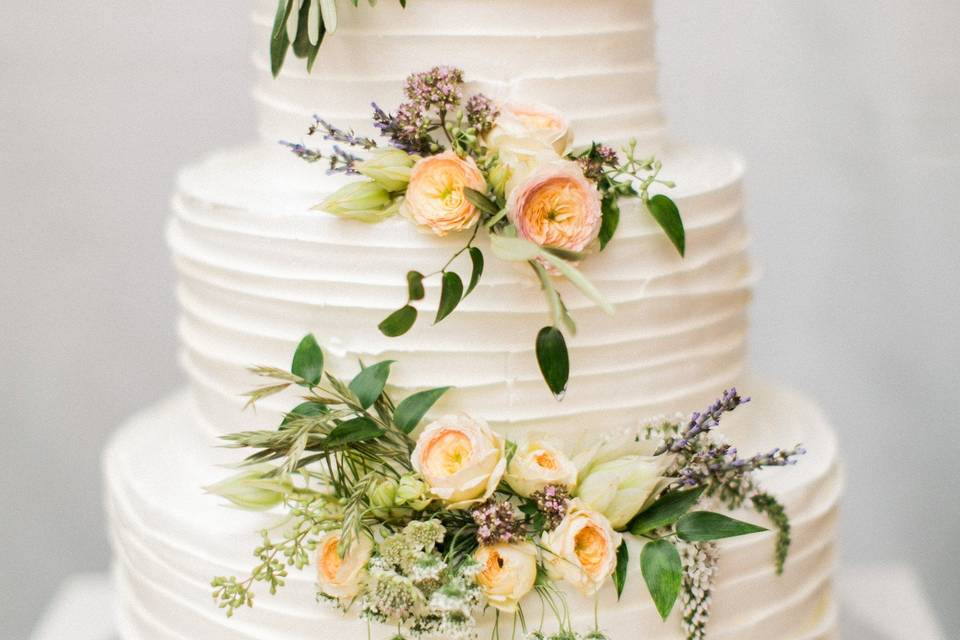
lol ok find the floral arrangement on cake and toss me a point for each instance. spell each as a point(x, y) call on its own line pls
point(302, 25)
point(462, 165)
point(425, 528)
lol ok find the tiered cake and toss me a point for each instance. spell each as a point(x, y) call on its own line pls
point(258, 269)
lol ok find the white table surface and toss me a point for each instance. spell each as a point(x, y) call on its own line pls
point(877, 603)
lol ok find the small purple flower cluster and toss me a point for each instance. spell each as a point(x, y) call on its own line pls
point(552, 501)
point(721, 463)
point(439, 88)
point(598, 160)
point(482, 113)
point(497, 522)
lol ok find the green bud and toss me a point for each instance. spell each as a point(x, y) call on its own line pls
point(253, 488)
point(382, 494)
point(390, 168)
point(499, 176)
point(412, 492)
point(363, 201)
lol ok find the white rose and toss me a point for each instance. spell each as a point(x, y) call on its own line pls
point(461, 459)
point(342, 577)
point(508, 573)
point(582, 550)
point(537, 463)
point(539, 122)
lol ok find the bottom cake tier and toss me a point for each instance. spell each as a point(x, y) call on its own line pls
point(170, 539)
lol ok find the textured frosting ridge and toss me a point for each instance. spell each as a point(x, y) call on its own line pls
point(170, 539)
point(595, 61)
point(258, 270)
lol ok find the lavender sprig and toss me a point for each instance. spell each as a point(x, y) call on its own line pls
point(701, 423)
point(339, 160)
point(344, 136)
point(720, 464)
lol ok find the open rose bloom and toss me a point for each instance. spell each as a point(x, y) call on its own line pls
point(508, 573)
point(461, 459)
point(557, 206)
point(435, 194)
point(342, 577)
point(582, 551)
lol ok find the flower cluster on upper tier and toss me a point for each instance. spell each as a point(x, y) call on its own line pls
point(456, 165)
point(422, 533)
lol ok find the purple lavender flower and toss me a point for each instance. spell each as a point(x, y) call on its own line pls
point(552, 501)
point(482, 113)
point(597, 160)
point(705, 422)
point(496, 522)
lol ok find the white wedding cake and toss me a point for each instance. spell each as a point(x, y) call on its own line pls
point(258, 269)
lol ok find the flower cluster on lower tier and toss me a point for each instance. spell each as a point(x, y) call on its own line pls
point(425, 533)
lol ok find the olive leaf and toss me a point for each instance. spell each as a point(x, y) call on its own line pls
point(553, 359)
point(308, 361)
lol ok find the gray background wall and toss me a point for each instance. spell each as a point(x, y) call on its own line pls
point(847, 113)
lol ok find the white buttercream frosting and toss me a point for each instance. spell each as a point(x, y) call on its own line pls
point(592, 60)
point(258, 270)
point(171, 539)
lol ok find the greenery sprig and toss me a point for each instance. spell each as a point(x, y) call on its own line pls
point(302, 25)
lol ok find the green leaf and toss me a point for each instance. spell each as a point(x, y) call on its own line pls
point(398, 322)
point(611, 219)
point(553, 359)
point(620, 574)
point(565, 254)
point(513, 249)
point(476, 257)
point(328, 9)
point(665, 511)
point(580, 281)
point(303, 410)
point(415, 285)
point(369, 383)
point(701, 526)
point(481, 201)
point(308, 361)
point(355, 430)
point(301, 42)
point(665, 212)
point(662, 570)
point(279, 40)
point(450, 295)
point(411, 410)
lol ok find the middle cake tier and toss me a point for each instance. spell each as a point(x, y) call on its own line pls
point(258, 270)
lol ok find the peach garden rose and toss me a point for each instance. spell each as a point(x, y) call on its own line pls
point(461, 459)
point(539, 122)
point(507, 573)
point(342, 577)
point(538, 462)
point(557, 206)
point(435, 194)
point(582, 550)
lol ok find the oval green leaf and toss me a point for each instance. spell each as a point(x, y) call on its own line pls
point(481, 201)
point(553, 359)
point(620, 574)
point(610, 207)
point(303, 410)
point(411, 410)
point(369, 383)
point(476, 258)
point(308, 361)
point(415, 285)
point(665, 212)
point(665, 511)
point(662, 570)
point(513, 249)
point(398, 322)
point(451, 294)
point(701, 526)
point(355, 430)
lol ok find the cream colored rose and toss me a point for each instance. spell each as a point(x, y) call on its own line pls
point(582, 550)
point(435, 197)
point(538, 462)
point(557, 206)
point(508, 573)
point(544, 124)
point(461, 459)
point(621, 488)
point(342, 577)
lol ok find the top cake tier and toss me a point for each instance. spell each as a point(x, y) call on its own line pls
point(594, 61)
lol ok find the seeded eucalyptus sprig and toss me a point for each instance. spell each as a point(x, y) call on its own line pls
point(302, 26)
